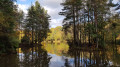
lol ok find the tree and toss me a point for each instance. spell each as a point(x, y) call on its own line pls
point(70, 11)
point(37, 23)
point(20, 21)
point(8, 23)
point(88, 19)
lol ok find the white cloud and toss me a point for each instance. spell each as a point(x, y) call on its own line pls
point(56, 61)
point(23, 7)
point(53, 12)
point(53, 7)
point(51, 3)
point(55, 22)
point(115, 1)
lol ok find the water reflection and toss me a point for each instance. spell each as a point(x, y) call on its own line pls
point(9, 61)
point(61, 55)
point(34, 57)
point(27, 57)
point(85, 58)
point(76, 57)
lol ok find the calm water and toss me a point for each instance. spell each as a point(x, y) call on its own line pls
point(61, 55)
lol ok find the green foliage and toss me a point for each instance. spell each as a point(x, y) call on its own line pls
point(90, 21)
point(37, 23)
point(57, 34)
point(8, 43)
point(14, 42)
point(8, 24)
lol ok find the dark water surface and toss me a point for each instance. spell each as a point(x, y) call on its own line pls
point(61, 55)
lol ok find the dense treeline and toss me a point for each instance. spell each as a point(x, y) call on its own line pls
point(36, 25)
point(8, 26)
point(13, 21)
point(56, 35)
point(91, 21)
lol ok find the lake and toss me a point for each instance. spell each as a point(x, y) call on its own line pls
point(61, 55)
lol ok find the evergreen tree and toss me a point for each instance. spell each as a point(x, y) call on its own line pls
point(91, 17)
point(37, 23)
point(8, 23)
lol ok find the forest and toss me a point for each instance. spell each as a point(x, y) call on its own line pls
point(91, 22)
point(89, 35)
point(12, 22)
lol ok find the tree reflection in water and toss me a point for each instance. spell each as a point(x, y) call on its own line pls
point(59, 56)
point(34, 57)
point(85, 58)
point(9, 61)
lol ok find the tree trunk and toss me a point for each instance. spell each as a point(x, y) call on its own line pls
point(89, 28)
point(95, 15)
point(80, 29)
point(32, 36)
point(74, 23)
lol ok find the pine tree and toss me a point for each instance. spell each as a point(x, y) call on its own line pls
point(8, 23)
point(37, 23)
point(70, 11)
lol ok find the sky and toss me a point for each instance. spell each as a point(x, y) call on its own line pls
point(52, 6)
